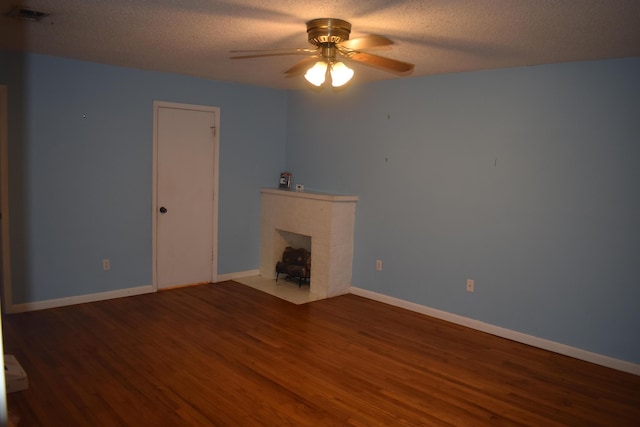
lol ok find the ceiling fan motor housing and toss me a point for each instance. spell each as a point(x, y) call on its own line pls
point(328, 30)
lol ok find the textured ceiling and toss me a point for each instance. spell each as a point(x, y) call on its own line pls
point(194, 37)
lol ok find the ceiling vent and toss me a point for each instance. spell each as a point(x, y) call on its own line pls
point(27, 14)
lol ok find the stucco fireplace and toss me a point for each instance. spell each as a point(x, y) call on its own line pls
point(322, 222)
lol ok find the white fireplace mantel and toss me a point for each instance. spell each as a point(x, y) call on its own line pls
point(328, 219)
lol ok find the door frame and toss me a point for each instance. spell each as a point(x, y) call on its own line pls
point(7, 303)
point(154, 198)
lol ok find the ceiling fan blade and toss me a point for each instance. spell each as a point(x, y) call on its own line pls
point(301, 66)
point(366, 42)
point(271, 52)
point(387, 64)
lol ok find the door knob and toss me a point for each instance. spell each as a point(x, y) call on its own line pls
point(163, 210)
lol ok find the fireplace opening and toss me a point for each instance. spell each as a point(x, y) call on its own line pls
point(295, 264)
point(286, 239)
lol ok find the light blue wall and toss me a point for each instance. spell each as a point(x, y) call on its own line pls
point(526, 180)
point(80, 145)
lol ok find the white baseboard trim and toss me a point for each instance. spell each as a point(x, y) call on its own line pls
point(237, 275)
point(545, 344)
point(80, 299)
point(542, 343)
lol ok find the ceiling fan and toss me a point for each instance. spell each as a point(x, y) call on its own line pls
point(330, 38)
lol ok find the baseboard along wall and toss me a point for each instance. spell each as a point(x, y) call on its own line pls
point(577, 353)
point(545, 344)
point(80, 299)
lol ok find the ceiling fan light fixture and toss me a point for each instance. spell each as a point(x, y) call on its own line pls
point(317, 74)
point(330, 38)
point(340, 74)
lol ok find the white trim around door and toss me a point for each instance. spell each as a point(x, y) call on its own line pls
point(4, 201)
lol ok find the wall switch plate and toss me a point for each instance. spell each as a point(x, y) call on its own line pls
point(379, 265)
point(106, 264)
point(470, 285)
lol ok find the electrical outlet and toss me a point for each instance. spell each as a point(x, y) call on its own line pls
point(379, 265)
point(470, 285)
point(106, 264)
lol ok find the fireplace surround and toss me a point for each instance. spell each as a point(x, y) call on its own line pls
point(327, 219)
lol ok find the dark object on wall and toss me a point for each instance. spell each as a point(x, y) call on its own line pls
point(296, 264)
point(285, 180)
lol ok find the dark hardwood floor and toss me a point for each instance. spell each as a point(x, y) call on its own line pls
point(227, 355)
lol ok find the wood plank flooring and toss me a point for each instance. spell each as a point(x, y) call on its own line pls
point(228, 355)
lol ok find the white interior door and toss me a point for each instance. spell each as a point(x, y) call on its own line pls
point(186, 187)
